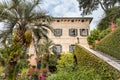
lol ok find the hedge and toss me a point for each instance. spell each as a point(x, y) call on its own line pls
point(111, 44)
point(88, 60)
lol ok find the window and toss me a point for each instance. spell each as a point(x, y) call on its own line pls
point(58, 49)
point(58, 32)
point(84, 32)
point(71, 48)
point(73, 32)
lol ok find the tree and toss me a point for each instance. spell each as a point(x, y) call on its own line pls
point(88, 6)
point(8, 52)
point(110, 7)
point(20, 16)
point(45, 49)
point(111, 15)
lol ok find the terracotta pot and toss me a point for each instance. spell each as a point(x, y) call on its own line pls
point(113, 28)
point(97, 41)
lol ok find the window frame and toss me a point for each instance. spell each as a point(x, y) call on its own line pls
point(82, 34)
point(72, 46)
point(71, 34)
point(57, 34)
point(60, 46)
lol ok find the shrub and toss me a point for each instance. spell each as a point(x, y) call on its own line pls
point(80, 74)
point(53, 62)
point(118, 22)
point(90, 40)
point(90, 61)
point(93, 36)
point(103, 33)
point(66, 63)
point(110, 44)
point(68, 70)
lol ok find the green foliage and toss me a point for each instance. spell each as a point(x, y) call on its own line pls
point(90, 40)
point(93, 36)
point(96, 34)
point(9, 54)
point(23, 75)
point(103, 24)
point(90, 61)
point(53, 62)
point(118, 22)
point(10, 51)
point(26, 11)
point(28, 38)
point(110, 44)
point(68, 70)
point(80, 74)
point(88, 6)
point(1, 69)
point(66, 62)
point(111, 15)
point(103, 33)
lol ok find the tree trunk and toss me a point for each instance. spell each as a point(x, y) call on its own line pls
point(10, 71)
point(11, 68)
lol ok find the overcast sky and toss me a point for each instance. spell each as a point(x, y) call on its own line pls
point(69, 8)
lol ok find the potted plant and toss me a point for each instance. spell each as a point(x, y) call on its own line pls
point(90, 40)
point(96, 35)
point(93, 37)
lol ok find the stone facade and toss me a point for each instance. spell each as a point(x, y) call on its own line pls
point(67, 32)
point(78, 26)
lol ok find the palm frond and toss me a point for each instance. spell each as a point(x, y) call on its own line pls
point(8, 30)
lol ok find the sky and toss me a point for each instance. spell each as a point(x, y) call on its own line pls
point(69, 8)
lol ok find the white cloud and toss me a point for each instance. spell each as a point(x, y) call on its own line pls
point(61, 7)
point(69, 8)
point(71, 14)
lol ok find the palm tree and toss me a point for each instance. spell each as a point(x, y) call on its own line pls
point(45, 50)
point(20, 15)
point(88, 6)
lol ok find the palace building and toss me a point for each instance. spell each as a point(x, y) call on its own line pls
point(67, 32)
